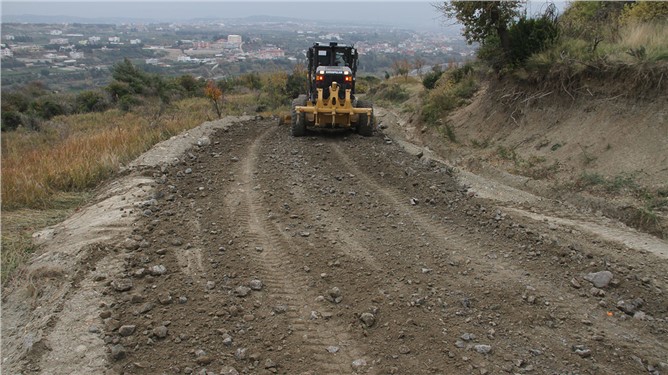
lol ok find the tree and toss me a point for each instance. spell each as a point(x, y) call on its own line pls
point(482, 19)
point(402, 68)
point(418, 64)
point(215, 94)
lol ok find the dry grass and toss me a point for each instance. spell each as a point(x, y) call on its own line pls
point(46, 174)
point(653, 37)
point(76, 153)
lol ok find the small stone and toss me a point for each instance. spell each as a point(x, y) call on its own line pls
point(158, 270)
point(280, 309)
point(483, 349)
point(160, 332)
point(467, 337)
point(227, 340)
point(210, 285)
point(164, 298)
point(359, 364)
point(249, 317)
point(127, 330)
point(240, 354)
point(594, 291)
point(255, 284)
point(368, 319)
point(242, 291)
point(204, 360)
point(403, 349)
point(229, 370)
point(183, 300)
point(121, 285)
point(599, 279)
point(630, 307)
point(105, 314)
point(269, 363)
point(332, 349)
point(111, 325)
point(131, 244)
point(93, 329)
point(143, 309)
point(575, 283)
point(118, 352)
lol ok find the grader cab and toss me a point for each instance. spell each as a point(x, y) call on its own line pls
point(330, 101)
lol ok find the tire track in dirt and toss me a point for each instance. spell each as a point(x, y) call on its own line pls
point(513, 274)
point(281, 276)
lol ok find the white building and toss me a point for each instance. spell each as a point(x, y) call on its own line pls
point(135, 41)
point(151, 61)
point(114, 39)
point(94, 39)
point(56, 32)
point(234, 39)
point(59, 41)
point(8, 37)
point(6, 52)
point(76, 55)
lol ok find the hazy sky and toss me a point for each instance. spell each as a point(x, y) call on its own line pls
point(403, 14)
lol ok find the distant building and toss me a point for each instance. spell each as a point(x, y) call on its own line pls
point(76, 55)
point(94, 39)
point(8, 37)
point(151, 61)
point(135, 41)
point(114, 39)
point(56, 32)
point(6, 52)
point(234, 39)
point(59, 41)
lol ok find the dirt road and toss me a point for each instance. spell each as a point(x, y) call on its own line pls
point(261, 253)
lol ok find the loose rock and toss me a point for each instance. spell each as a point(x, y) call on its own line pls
point(599, 279)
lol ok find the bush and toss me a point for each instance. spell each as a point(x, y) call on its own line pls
point(91, 101)
point(191, 86)
point(451, 91)
point(644, 11)
point(48, 107)
point(391, 92)
point(430, 79)
point(10, 120)
point(530, 36)
point(296, 83)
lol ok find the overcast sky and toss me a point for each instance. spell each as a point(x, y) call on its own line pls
point(402, 14)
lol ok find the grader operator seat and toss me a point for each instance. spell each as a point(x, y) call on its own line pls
point(330, 100)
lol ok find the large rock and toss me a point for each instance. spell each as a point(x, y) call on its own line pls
point(599, 279)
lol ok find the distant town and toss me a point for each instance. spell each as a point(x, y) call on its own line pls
point(76, 56)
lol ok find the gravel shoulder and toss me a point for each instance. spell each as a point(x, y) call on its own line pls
point(244, 250)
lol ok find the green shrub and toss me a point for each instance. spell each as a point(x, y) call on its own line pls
point(451, 91)
point(48, 107)
point(430, 79)
point(530, 36)
point(391, 92)
point(91, 101)
point(10, 120)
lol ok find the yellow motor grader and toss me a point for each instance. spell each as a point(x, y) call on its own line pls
point(330, 100)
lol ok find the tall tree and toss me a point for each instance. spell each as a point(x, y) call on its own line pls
point(481, 19)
